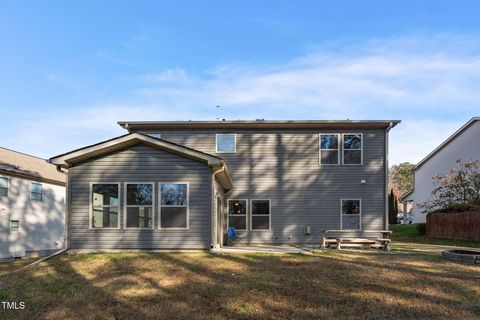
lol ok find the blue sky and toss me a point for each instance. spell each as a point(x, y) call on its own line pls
point(70, 70)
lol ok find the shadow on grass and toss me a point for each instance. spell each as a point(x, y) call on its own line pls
point(206, 286)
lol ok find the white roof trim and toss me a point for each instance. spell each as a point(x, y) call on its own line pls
point(70, 158)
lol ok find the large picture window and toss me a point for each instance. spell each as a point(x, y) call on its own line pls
point(139, 205)
point(226, 143)
point(352, 148)
point(36, 191)
point(3, 187)
point(237, 214)
point(260, 210)
point(174, 206)
point(351, 214)
point(329, 149)
point(105, 204)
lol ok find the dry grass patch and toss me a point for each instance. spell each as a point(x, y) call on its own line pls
point(7, 267)
point(351, 284)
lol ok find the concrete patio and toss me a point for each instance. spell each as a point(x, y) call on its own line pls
point(276, 249)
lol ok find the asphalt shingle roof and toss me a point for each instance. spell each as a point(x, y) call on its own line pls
point(18, 163)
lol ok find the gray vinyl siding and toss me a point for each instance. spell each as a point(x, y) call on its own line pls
point(284, 166)
point(140, 163)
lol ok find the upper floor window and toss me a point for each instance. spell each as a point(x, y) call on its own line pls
point(155, 135)
point(105, 205)
point(351, 214)
point(3, 187)
point(37, 191)
point(226, 143)
point(352, 148)
point(139, 205)
point(14, 225)
point(329, 146)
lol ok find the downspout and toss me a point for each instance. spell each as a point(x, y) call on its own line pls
point(390, 126)
point(213, 217)
point(67, 209)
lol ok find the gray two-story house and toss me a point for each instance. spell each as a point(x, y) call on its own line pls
point(182, 184)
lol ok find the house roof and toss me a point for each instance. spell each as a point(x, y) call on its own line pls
point(258, 124)
point(446, 142)
point(74, 157)
point(27, 166)
point(405, 196)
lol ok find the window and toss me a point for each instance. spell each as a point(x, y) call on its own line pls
point(36, 191)
point(352, 148)
point(351, 214)
point(14, 225)
point(260, 210)
point(105, 205)
point(139, 205)
point(155, 135)
point(329, 146)
point(226, 143)
point(237, 214)
point(3, 187)
point(174, 206)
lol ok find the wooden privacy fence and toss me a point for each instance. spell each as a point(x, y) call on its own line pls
point(455, 225)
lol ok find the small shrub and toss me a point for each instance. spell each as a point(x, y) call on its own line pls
point(422, 229)
point(457, 191)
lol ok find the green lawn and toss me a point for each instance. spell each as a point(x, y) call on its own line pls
point(409, 233)
point(356, 284)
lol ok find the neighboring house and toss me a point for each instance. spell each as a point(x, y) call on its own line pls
point(32, 205)
point(181, 184)
point(464, 144)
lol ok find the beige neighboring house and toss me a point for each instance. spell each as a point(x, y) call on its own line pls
point(32, 206)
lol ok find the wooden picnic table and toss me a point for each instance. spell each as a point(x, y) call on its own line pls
point(355, 241)
point(385, 233)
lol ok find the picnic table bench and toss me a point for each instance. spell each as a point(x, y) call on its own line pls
point(359, 242)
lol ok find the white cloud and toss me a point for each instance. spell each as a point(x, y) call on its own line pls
point(176, 75)
point(430, 82)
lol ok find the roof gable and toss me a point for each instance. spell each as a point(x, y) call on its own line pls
point(446, 142)
point(80, 155)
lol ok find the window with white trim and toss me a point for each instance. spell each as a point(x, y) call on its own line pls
point(139, 205)
point(174, 206)
point(237, 214)
point(105, 205)
point(329, 149)
point(3, 187)
point(226, 143)
point(36, 191)
point(351, 214)
point(352, 148)
point(14, 225)
point(260, 214)
point(155, 135)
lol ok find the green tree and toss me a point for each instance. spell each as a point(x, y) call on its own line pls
point(395, 204)
point(392, 215)
point(401, 178)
